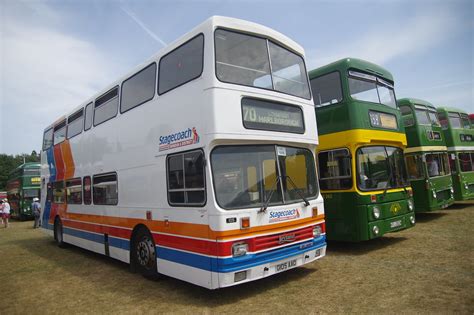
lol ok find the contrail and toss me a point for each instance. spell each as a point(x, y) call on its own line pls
point(143, 26)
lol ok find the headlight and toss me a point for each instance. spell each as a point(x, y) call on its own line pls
point(434, 194)
point(239, 249)
point(376, 230)
point(317, 231)
point(376, 212)
point(412, 219)
point(411, 206)
point(452, 190)
point(466, 186)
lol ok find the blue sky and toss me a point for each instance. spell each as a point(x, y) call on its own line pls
point(55, 54)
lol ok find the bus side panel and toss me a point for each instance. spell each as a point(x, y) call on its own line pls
point(342, 219)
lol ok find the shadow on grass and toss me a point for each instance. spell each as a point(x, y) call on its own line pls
point(362, 248)
point(72, 259)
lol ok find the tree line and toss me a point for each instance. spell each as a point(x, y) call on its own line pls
point(9, 162)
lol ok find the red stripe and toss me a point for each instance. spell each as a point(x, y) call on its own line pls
point(59, 163)
point(101, 229)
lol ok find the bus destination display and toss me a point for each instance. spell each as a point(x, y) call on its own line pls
point(264, 115)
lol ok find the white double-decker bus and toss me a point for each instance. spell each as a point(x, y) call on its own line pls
point(198, 164)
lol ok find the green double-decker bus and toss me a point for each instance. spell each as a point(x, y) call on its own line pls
point(362, 171)
point(459, 135)
point(22, 186)
point(426, 156)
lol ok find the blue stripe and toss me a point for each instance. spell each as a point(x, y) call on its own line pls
point(234, 264)
point(98, 238)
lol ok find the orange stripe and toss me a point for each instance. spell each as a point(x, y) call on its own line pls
point(192, 229)
point(68, 160)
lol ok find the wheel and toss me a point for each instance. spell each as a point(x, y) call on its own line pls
point(58, 233)
point(144, 254)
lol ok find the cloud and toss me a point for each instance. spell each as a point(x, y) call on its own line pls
point(45, 74)
point(391, 40)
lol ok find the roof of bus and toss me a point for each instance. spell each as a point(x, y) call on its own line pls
point(212, 22)
point(414, 101)
point(451, 109)
point(352, 63)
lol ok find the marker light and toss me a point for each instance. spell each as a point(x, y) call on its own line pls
point(239, 249)
point(452, 190)
point(376, 230)
point(373, 198)
point(466, 186)
point(412, 219)
point(410, 205)
point(376, 212)
point(315, 212)
point(434, 194)
point(245, 223)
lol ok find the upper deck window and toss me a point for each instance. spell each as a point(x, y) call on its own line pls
point(106, 106)
point(75, 123)
point(407, 115)
point(443, 120)
point(59, 132)
point(365, 87)
point(465, 121)
point(181, 65)
point(47, 139)
point(258, 62)
point(455, 120)
point(88, 118)
point(138, 89)
point(327, 89)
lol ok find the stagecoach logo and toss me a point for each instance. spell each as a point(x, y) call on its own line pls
point(395, 208)
point(179, 139)
point(286, 238)
point(276, 216)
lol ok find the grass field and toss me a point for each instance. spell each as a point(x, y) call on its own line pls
point(427, 269)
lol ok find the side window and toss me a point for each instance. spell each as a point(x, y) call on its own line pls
point(74, 191)
point(335, 169)
point(138, 89)
point(327, 89)
point(75, 123)
point(88, 119)
point(186, 179)
point(181, 65)
point(414, 166)
point(106, 106)
point(59, 132)
point(105, 189)
point(407, 115)
point(422, 117)
point(58, 192)
point(47, 139)
point(87, 190)
point(465, 162)
point(443, 120)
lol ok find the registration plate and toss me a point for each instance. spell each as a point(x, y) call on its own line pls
point(285, 265)
point(395, 224)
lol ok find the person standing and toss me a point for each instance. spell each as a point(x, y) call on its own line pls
point(6, 212)
point(36, 207)
point(1, 212)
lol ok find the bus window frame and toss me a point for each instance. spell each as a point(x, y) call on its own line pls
point(93, 186)
point(102, 95)
point(341, 86)
point(274, 41)
point(69, 122)
point(378, 79)
point(155, 87)
point(351, 175)
point(52, 138)
point(89, 105)
point(192, 79)
point(55, 129)
point(186, 205)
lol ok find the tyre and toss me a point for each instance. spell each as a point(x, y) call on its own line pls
point(144, 254)
point(58, 233)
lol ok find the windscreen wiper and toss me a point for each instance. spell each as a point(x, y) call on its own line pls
point(298, 191)
point(265, 204)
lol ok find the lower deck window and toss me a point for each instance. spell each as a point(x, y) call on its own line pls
point(466, 162)
point(74, 191)
point(186, 180)
point(105, 189)
point(58, 192)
